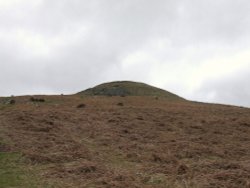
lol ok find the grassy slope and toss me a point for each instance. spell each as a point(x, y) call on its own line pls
point(128, 88)
point(145, 143)
point(14, 172)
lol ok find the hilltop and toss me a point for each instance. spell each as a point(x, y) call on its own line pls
point(128, 88)
point(132, 139)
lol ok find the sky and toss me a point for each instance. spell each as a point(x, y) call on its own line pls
point(197, 49)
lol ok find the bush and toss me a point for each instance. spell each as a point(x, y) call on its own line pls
point(12, 101)
point(81, 106)
point(120, 104)
point(32, 99)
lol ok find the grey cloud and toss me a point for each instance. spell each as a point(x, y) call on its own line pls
point(232, 89)
point(66, 46)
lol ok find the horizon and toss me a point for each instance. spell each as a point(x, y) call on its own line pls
point(75, 93)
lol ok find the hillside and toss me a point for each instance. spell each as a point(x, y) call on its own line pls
point(86, 141)
point(128, 88)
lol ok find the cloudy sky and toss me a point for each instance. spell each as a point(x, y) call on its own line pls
point(198, 49)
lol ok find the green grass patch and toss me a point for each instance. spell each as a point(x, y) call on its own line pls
point(11, 172)
point(4, 106)
point(15, 173)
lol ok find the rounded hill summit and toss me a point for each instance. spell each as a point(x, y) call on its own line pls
point(128, 88)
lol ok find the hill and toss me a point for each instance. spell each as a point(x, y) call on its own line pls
point(128, 88)
point(133, 141)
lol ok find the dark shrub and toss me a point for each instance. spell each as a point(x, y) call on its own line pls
point(12, 101)
point(32, 99)
point(120, 104)
point(40, 100)
point(81, 106)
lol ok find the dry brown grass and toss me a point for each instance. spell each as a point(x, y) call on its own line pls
point(144, 143)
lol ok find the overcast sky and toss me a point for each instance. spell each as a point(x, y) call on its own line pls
point(198, 49)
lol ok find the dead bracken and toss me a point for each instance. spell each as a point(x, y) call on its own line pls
point(149, 143)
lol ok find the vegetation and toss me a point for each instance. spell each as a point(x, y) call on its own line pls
point(129, 141)
point(127, 88)
point(13, 171)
